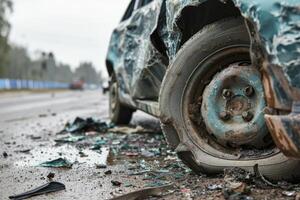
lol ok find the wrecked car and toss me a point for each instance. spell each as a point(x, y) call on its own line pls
point(223, 77)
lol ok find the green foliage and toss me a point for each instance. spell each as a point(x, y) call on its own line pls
point(5, 7)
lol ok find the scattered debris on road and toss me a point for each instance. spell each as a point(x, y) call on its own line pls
point(35, 137)
point(69, 139)
point(5, 155)
point(289, 193)
point(23, 151)
point(50, 176)
point(80, 125)
point(145, 156)
point(116, 183)
point(144, 193)
point(42, 115)
point(129, 130)
point(262, 178)
point(44, 189)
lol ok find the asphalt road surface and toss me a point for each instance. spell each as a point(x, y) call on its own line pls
point(29, 122)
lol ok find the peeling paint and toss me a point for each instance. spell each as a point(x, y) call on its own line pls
point(285, 131)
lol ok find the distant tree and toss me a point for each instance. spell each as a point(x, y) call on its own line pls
point(44, 67)
point(5, 7)
point(88, 73)
point(18, 65)
point(64, 73)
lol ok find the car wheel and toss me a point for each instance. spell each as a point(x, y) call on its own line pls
point(119, 114)
point(212, 105)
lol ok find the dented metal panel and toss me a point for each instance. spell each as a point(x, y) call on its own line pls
point(138, 65)
point(141, 66)
point(278, 25)
point(273, 27)
point(285, 131)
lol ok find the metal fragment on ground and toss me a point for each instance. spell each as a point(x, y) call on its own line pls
point(69, 139)
point(259, 175)
point(144, 193)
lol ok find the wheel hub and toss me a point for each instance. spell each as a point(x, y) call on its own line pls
point(232, 107)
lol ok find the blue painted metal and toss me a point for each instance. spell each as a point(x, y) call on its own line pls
point(277, 22)
point(235, 130)
point(140, 67)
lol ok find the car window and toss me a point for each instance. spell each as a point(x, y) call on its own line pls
point(144, 2)
point(129, 10)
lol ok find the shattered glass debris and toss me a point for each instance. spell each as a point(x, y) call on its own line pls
point(80, 125)
point(145, 156)
point(57, 163)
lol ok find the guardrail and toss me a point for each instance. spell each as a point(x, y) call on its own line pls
point(7, 84)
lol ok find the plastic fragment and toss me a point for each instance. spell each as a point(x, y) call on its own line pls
point(289, 193)
point(47, 188)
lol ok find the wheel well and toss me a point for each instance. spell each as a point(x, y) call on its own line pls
point(194, 18)
point(109, 67)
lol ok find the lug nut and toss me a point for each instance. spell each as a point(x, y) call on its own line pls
point(247, 116)
point(249, 91)
point(225, 115)
point(227, 93)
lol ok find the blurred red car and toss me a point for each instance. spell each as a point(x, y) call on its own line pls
point(77, 85)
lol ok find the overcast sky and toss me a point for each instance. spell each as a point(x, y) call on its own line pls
point(75, 30)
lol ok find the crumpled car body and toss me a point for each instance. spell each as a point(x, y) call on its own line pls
point(146, 41)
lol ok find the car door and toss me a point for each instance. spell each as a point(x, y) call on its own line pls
point(118, 48)
point(142, 62)
point(137, 63)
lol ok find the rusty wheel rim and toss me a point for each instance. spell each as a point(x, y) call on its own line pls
point(192, 100)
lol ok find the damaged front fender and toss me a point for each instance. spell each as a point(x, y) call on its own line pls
point(274, 28)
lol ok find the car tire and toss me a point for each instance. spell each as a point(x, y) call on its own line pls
point(119, 113)
point(212, 38)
